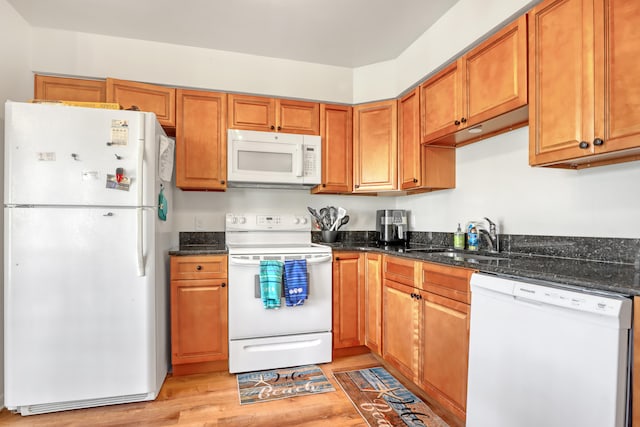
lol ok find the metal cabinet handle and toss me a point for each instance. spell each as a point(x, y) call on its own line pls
point(222, 285)
point(598, 142)
point(463, 120)
point(584, 145)
point(457, 122)
point(272, 127)
point(415, 180)
point(198, 267)
point(279, 127)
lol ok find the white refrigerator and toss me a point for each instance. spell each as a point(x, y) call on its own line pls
point(85, 256)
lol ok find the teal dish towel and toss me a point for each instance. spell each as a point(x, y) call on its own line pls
point(271, 283)
point(296, 288)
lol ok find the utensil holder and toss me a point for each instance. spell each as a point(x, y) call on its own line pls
point(329, 236)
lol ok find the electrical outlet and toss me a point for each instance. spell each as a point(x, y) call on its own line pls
point(198, 223)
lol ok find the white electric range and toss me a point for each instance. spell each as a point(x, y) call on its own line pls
point(261, 338)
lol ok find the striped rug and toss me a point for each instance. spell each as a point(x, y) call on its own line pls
point(263, 386)
point(382, 400)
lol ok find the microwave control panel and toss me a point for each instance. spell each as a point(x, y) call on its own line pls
point(309, 161)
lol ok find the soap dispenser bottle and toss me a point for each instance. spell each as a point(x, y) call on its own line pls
point(472, 237)
point(458, 238)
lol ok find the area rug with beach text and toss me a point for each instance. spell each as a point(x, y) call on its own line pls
point(382, 400)
point(263, 386)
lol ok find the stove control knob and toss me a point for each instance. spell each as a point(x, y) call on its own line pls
point(304, 220)
point(242, 220)
point(232, 219)
point(296, 220)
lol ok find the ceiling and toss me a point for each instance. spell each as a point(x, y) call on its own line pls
point(348, 33)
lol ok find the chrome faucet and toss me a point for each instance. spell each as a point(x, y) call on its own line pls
point(492, 238)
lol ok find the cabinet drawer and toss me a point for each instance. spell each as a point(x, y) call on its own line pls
point(400, 270)
point(198, 267)
point(450, 282)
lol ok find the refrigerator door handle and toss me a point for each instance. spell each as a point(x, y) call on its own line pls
point(139, 172)
point(139, 248)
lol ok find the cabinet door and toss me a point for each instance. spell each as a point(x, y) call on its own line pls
point(336, 131)
point(348, 302)
point(561, 80)
point(618, 110)
point(160, 100)
point(373, 302)
point(444, 344)
point(67, 89)
point(252, 113)
point(442, 103)
point(297, 117)
point(198, 321)
point(401, 319)
point(375, 136)
point(409, 140)
point(496, 74)
point(201, 140)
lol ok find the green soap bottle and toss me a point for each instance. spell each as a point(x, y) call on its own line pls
point(458, 238)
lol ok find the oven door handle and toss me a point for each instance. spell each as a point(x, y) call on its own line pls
point(242, 261)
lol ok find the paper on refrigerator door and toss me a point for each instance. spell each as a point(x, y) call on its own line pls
point(165, 159)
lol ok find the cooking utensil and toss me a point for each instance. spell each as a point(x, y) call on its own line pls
point(326, 220)
point(343, 221)
point(341, 213)
point(315, 214)
point(333, 216)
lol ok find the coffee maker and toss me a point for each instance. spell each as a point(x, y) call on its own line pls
point(392, 227)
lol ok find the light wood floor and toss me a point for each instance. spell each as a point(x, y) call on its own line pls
point(212, 400)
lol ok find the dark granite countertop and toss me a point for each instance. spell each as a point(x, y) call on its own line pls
point(592, 275)
point(582, 274)
point(199, 249)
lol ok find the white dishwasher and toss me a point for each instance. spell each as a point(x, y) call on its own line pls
point(545, 356)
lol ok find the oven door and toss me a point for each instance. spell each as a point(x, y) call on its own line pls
point(249, 319)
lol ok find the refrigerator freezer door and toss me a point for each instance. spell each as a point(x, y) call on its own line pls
point(58, 155)
point(79, 322)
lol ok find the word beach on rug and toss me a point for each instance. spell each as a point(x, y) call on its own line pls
point(275, 384)
point(382, 401)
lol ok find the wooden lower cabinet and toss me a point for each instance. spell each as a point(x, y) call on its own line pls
point(444, 338)
point(426, 327)
point(373, 302)
point(400, 327)
point(348, 302)
point(199, 337)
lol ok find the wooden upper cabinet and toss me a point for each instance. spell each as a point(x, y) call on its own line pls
point(201, 140)
point(160, 100)
point(336, 130)
point(487, 86)
point(375, 147)
point(298, 117)
point(252, 113)
point(409, 140)
point(585, 107)
point(68, 89)
point(421, 168)
point(442, 103)
point(273, 115)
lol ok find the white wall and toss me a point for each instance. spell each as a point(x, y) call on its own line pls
point(465, 24)
point(93, 55)
point(494, 180)
point(15, 83)
point(529, 201)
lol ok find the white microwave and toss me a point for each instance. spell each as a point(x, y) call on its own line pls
point(274, 160)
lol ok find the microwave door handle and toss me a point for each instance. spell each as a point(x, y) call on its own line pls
point(299, 160)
